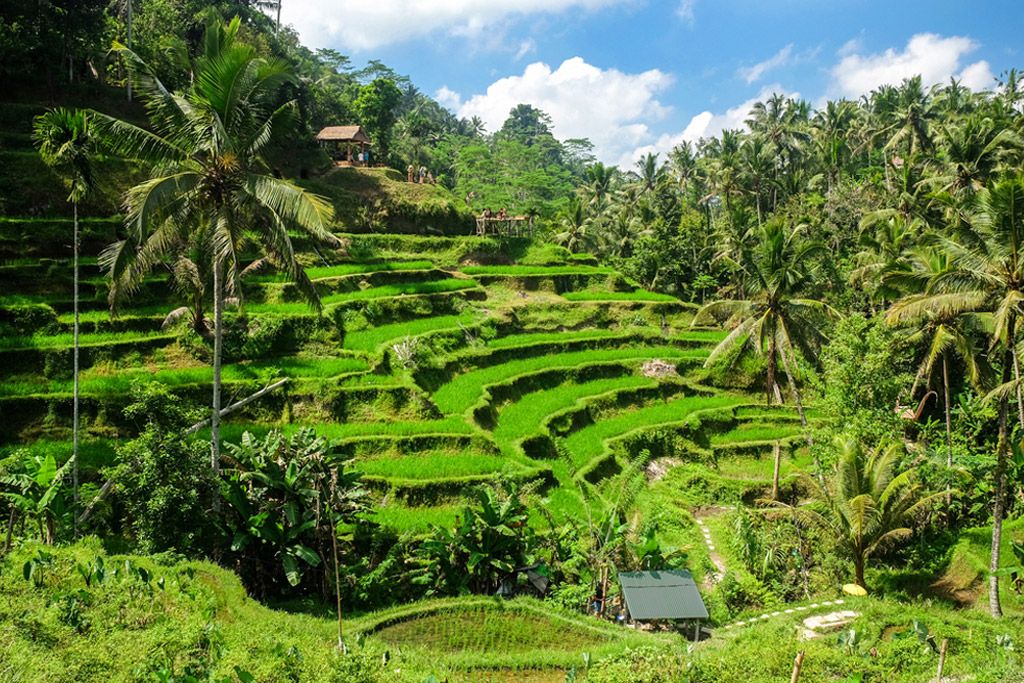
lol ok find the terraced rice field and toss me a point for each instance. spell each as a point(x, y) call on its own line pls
point(435, 377)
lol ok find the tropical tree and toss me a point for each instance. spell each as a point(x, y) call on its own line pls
point(36, 489)
point(66, 145)
point(871, 501)
point(289, 501)
point(489, 544)
point(210, 187)
point(987, 275)
point(774, 321)
point(942, 334)
point(574, 227)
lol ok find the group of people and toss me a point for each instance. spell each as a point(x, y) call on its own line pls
point(501, 215)
point(421, 175)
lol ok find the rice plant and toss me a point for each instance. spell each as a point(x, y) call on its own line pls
point(638, 295)
point(465, 390)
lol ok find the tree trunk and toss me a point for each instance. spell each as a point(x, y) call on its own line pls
point(773, 370)
point(858, 568)
point(1000, 490)
point(218, 334)
point(1016, 376)
point(74, 400)
point(949, 421)
point(129, 47)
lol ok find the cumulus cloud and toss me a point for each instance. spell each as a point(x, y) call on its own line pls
point(368, 24)
point(934, 57)
point(753, 73)
point(448, 98)
point(612, 108)
point(704, 125)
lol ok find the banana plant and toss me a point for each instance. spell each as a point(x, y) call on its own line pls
point(38, 491)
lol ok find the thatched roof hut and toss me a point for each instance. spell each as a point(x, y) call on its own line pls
point(347, 145)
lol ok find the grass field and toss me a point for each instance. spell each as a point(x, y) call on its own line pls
point(588, 443)
point(526, 416)
point(638, 295)
point(374, 338)
point(466, 389)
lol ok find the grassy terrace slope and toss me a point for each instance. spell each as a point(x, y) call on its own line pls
point(439, 364)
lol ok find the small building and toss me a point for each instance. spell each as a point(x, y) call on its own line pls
point(347, 145)
point(669, 595)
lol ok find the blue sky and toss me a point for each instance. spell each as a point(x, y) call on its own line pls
point(641, 75)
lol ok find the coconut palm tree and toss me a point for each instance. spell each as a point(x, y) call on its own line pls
point(942, 334)
point(774, 320)
point(987, 275)
point(868, 503)
point(574, 227)
point(65, 143)
point(210, 187)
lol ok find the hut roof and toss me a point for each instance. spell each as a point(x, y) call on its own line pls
point(343, 134)
point(668, 594)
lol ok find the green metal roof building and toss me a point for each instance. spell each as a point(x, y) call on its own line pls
point(669, 594)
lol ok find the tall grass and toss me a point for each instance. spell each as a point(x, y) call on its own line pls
point(465, 390)
point(382, 292)
point(550, 271)
point(372, 339)
point(527, 416)
point(66, 340)
point(348, 430)
point(103, 381)
point(433, 466)
point(528, 338)
point(638, 295)
point(588, 443)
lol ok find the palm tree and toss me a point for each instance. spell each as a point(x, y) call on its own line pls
point(867, 503)
point(65, 144)
point(987, 275)
point(599, 183)
point(975, 148)
point(649, 172)
point(774, 320)
point(574, 234)
point(941, 333)
point(210, 188)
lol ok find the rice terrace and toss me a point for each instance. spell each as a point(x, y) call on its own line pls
point(308, 374)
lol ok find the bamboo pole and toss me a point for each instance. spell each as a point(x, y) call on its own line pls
point(235, 406)
point(942, 659)
point(797, 663)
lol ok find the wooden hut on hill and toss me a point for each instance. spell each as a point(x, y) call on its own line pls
point(347, 145)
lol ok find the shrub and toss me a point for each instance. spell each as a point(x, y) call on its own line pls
point(164, 480)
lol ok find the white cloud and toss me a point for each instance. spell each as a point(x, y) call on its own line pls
point(704, 125)
point(934, 57)
point(612, 108)
point(752, 74)
point(368, 24)
point(978, 76)
point(448, 98)
point(685, 11)
point(526, 47)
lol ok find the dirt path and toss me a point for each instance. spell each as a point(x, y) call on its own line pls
point(716, 558)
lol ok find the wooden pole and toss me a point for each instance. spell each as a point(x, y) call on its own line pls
point(109, 484)
point(797, 663)
point(235, 406)
point(942, 659)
